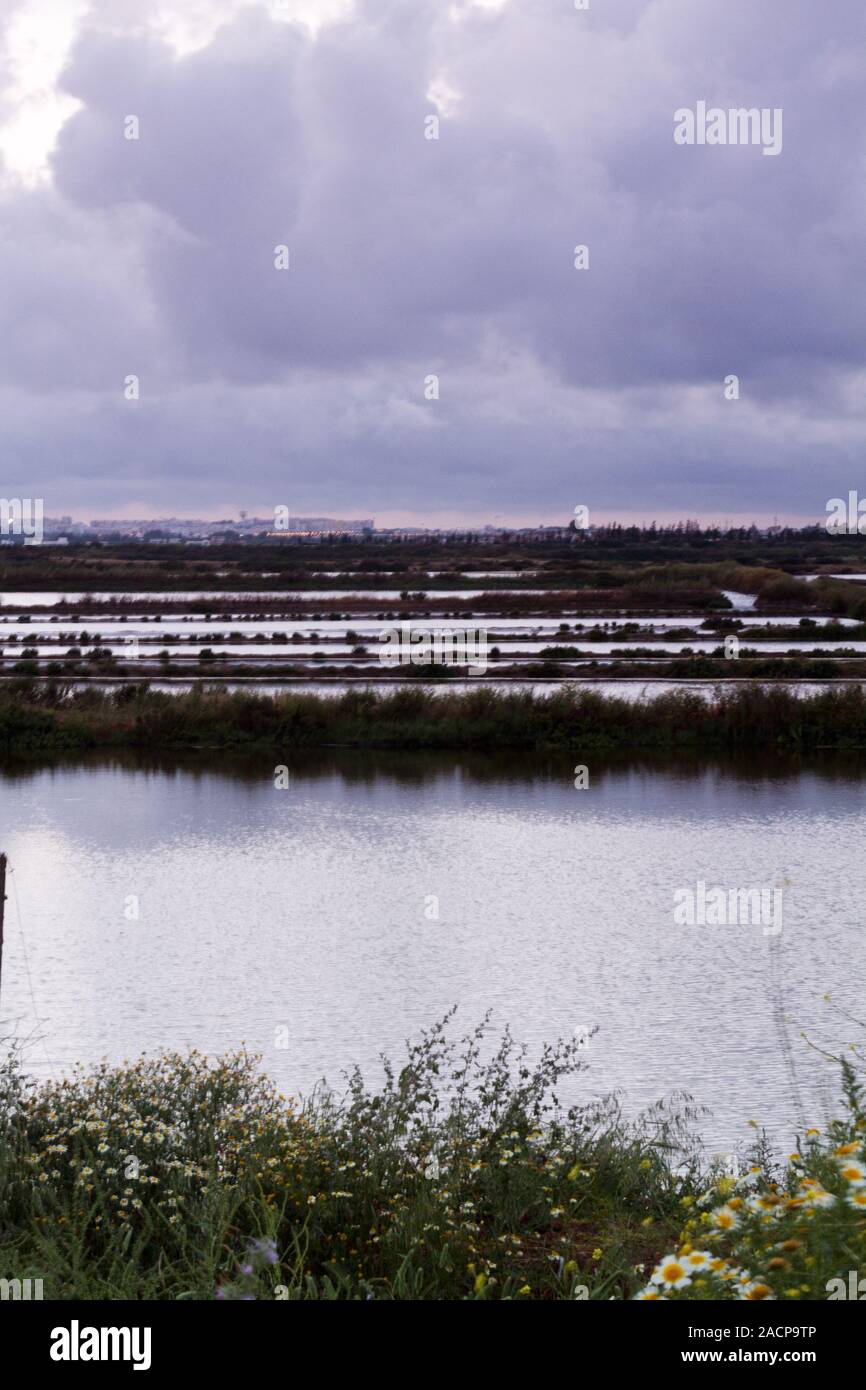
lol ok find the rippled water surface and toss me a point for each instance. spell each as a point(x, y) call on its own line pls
point(313, 908)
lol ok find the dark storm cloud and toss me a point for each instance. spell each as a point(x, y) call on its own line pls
point(454, 257)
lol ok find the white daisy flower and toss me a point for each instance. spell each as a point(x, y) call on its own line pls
point(819, 1198)
point(671, 1273)
point(725, 1218)
point(852, 1171)
point(697, 1259)
point(756, 1292)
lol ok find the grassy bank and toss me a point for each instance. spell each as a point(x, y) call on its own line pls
point(36, 718)
point(460, 1178)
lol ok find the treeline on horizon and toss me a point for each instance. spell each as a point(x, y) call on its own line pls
point(169, 563)
point(38, 718)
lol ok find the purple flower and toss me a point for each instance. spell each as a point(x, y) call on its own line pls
point(266, 1250)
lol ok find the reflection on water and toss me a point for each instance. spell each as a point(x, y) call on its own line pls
point(315, 908)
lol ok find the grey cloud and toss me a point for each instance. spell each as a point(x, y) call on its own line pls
point(454, 257)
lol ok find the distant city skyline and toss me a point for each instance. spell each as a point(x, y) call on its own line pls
point(432, 520)
point(153, 512)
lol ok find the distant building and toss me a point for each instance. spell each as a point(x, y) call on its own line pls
point(194, 528)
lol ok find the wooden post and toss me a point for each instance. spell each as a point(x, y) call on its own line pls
point(2, 905)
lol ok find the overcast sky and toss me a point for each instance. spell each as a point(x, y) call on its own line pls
point(303, 124)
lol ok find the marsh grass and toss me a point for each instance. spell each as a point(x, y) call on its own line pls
point(36, 717)
point(460, 1175)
